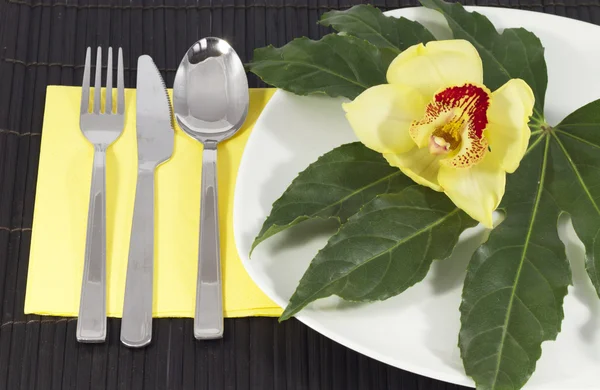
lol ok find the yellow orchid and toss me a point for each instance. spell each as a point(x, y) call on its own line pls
point(443, 128)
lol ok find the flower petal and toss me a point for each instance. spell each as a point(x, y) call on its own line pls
point(436, 65)
point(419, 165)
point(381, 117)
point(508, 131)
point(477, 190)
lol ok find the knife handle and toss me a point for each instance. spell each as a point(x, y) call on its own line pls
point(208, 319)
point(91, 323)
point(136, 326)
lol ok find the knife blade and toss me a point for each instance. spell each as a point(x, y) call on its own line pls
point(155, 139)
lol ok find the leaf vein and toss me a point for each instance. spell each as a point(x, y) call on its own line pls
point(309, 298)
point(526, 306)
point(343, 199)
point(578, 138)
point(577, 174)
point(474, 305)
point(312, 65)
point(379, 33)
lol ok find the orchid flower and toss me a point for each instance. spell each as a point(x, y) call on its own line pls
point(441, 126)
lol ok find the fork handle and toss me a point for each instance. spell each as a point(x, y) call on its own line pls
point(136, 327)
point(91, 324)
point(208, 319)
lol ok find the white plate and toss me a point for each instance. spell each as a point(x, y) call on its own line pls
point(416, 331)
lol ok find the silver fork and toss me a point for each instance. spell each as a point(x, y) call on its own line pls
point(101, 129)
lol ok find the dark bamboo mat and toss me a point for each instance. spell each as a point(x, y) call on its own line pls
point(43, 42)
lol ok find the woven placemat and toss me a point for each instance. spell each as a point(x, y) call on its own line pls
point(43, 42)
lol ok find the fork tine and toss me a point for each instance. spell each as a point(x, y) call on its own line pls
point(97, 83)
point(120, 85)
point(109, 66)
point(85, 84)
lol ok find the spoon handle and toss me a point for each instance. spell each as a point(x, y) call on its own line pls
point(208, 320)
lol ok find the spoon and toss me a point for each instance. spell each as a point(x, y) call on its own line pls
point(210, 101)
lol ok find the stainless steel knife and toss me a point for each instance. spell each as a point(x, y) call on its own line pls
point(155, 139)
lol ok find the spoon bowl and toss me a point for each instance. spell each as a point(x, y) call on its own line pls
point(210, 102)
point(210, 92)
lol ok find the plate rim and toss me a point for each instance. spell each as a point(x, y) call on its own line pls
point(461, 379)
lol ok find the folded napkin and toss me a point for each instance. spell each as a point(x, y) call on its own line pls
point(60, 216)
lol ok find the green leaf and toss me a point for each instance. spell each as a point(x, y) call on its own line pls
point(336, 65)
point(385, 32)
point(515, 284)
point(516, 53)
point(576, 186)
point(335, 186)
point(384, 249)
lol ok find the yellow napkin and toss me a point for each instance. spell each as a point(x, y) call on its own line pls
point(60, 216)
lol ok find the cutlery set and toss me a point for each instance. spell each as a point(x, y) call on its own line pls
point(210, 100)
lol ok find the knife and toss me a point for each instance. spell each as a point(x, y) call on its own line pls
point(155, 139)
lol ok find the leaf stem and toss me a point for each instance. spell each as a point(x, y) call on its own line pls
point(534, 144)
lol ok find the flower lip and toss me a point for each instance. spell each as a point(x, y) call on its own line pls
point(453, 124)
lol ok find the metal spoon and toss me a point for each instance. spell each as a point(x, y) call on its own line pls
point(210, 101)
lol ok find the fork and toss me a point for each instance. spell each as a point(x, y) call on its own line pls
point(101, 129)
